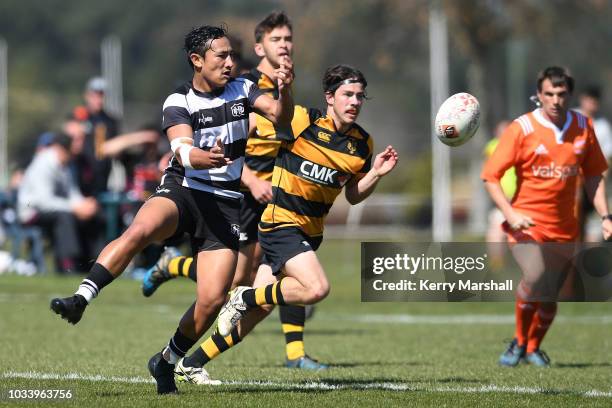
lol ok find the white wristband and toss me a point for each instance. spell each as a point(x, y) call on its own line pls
point(184, 153)
point(180, 141)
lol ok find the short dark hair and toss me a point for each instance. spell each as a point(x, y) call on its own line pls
point(199, 39)
point(592, 91)
point(336, 75)
point(273, 20)
point(63, 140)
point(558, 76)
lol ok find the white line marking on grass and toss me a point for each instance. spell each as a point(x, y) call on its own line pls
point(320, 385)
point(31, 375)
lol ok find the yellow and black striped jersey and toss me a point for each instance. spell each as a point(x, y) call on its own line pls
point(262, 148)
point(311, 170)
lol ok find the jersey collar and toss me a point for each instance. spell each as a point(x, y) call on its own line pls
point(559, 133)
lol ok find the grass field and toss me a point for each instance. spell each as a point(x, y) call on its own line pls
point(384, 354)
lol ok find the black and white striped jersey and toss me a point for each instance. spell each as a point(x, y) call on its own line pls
point(223, 114)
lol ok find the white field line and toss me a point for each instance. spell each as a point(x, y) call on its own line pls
point(319, 385)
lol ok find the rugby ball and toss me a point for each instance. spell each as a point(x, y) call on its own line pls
point(457, 119)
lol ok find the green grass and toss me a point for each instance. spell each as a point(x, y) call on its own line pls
point(433, 364)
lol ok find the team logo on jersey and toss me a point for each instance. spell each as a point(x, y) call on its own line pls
point(235, 230)
point(243, 237)
point(554, 171)
point(351, 147)
point(237, 109)
point(305, 243)
point(161, 190)
point(324, 137)
point(541, 149)
point(318, 173)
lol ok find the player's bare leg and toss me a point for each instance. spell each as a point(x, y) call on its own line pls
point(191, 370)
point(249, 257)
point(304, 282)
point(156, 220)
point(544, 267)
point(215, 274)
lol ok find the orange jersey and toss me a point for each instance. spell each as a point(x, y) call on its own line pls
point(548, 164)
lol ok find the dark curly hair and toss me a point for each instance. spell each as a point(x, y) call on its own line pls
point(336, 75)
point(199, 39)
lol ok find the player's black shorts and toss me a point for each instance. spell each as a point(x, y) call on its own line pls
point(250, 214)
point(212, 222)
point(282, 244)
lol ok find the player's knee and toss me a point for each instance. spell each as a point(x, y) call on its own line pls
point(319, 291)
point(209, 304)
point(205, 309)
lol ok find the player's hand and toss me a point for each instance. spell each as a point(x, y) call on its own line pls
point(385, 161)
point(216, 156)
point(606, 228)
point(261, 190)
point(85, 209)
point(518, 221)
point(284, 73)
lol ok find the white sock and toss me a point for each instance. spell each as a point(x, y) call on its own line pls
point(170, 356)
point(88, 289)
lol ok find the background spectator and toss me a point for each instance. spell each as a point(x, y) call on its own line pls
point(49, 197)
point(99, 127)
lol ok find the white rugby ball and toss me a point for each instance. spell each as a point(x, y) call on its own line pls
point(457, 119)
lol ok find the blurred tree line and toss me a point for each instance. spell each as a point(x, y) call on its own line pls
point(495, 48)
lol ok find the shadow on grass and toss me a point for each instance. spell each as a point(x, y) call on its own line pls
point(393, 363)
point(581, 365)
point(460, 380)
point(332, 364)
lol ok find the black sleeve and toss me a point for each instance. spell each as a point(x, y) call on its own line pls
point(253, 93)
point(175, 115)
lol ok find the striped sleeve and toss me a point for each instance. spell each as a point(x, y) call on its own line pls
point(175, 112)
point(253, 92)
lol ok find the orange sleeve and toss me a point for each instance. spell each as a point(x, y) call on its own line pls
point(505, 155)
point(594, 163)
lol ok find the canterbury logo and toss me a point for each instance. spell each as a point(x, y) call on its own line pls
point(554, 171)
point(320, 173)
point(325, 137)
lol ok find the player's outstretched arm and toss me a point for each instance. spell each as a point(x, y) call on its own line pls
point(279, 111)
point(360, 188)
